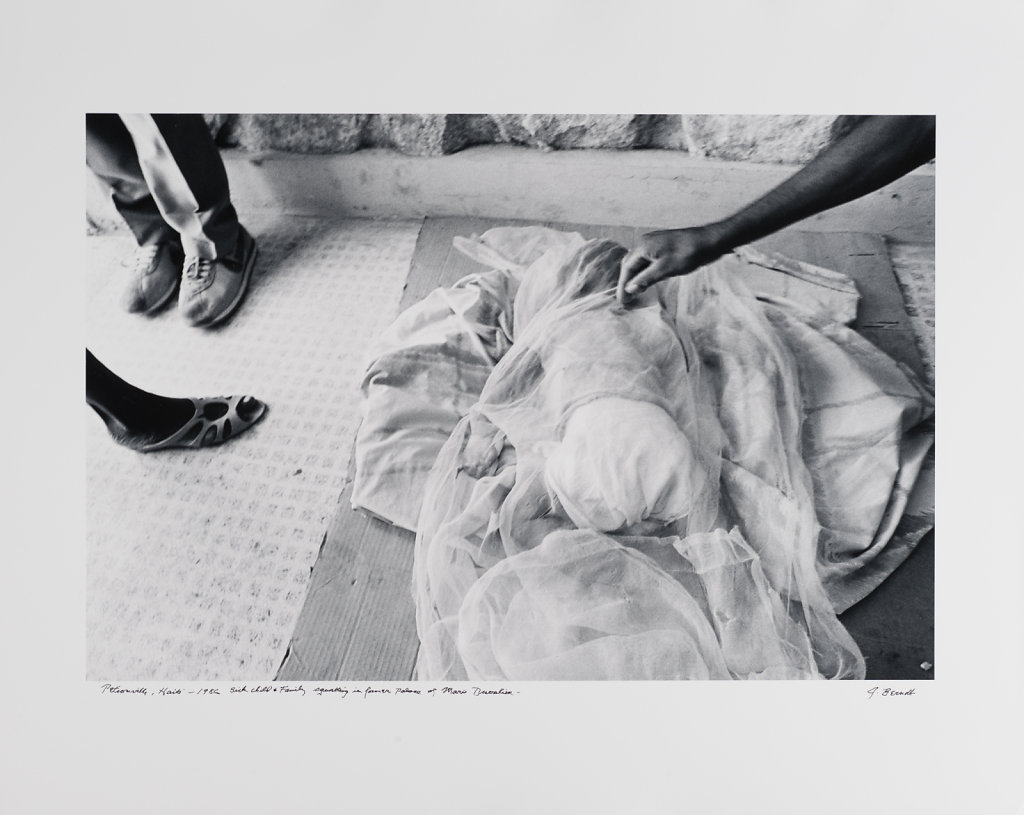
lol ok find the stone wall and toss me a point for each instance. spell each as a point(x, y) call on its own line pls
point(764, 139)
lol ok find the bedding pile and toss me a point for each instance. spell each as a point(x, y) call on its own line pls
point(692, 487)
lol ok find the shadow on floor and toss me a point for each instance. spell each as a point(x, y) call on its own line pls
point(895, 624)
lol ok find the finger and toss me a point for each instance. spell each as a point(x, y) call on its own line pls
point(632, 265)
point(647, 278)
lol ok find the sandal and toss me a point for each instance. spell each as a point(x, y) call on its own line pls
point(214, 420)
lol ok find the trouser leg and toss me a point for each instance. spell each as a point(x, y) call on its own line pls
point(186, 176)
point(110, 154)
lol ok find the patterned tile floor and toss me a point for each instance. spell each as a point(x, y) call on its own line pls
point(198, 561)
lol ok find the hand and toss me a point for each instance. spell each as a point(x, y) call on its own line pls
point(663, 254)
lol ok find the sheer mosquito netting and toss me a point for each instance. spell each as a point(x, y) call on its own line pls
point(631, 493)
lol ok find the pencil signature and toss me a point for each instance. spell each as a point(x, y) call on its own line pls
point(890, 692)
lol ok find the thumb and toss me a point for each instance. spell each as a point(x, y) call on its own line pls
point(647, 278)
point(634, 263)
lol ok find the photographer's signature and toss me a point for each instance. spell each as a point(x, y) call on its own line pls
point(879, 691)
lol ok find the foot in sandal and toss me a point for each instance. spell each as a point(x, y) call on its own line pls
point(204, 422)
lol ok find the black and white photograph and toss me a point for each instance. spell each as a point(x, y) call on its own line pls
point(512, 407)
point(510, 397)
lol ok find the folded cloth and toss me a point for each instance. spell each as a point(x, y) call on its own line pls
point(424, 374)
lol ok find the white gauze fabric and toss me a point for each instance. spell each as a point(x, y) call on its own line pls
point(602, 442)
point(532, 564)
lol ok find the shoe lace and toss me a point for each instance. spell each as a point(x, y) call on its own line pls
point(143, 258)
point(198, 269)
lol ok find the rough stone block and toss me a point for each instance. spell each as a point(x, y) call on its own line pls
point(570, 131)
point(768, 139)
point(296, 132)
point(418, 134)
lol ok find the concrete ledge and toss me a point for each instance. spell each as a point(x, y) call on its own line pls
point(657, 188)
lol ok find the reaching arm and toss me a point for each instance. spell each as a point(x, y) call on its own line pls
point(877, 151)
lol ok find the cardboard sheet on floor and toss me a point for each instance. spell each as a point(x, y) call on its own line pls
point(358, 620)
